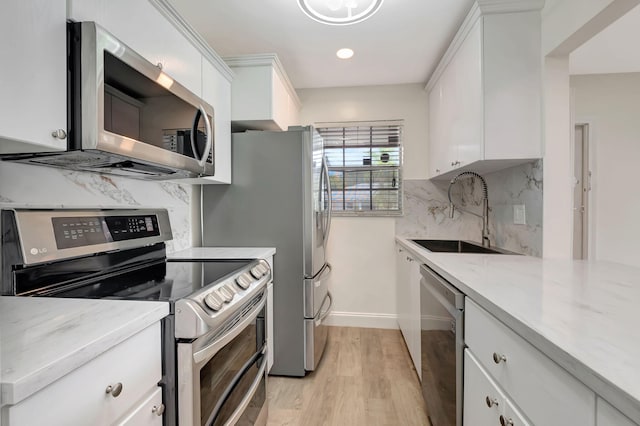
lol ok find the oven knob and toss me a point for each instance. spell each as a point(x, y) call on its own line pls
point(259, 270)
point(226, 295)
point(213, 302)
point(244, 281)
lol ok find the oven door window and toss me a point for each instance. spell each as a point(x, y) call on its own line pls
point(231, 375)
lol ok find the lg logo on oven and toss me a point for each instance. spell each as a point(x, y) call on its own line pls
point(35, 251)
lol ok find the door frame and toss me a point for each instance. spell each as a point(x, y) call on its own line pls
point(589, 225)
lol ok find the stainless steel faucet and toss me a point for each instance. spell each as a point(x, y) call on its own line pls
point(485, 205)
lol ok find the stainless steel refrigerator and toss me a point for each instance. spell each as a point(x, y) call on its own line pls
point(280, 197)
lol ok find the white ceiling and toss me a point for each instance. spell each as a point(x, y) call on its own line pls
point(402, 43)
point(614, 50)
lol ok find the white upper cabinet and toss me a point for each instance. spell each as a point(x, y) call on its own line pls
point(485, 95)
point(33, 87)
point(262, 97)
point(143, 28)
point(216, 90)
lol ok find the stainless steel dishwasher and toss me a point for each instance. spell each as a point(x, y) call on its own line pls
point(442, 348)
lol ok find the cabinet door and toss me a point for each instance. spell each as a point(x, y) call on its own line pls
point(142, 27)
point(81, 397)
point(438, 148)
point(402, 288)
point(216, 91)
point(466, 129)
point(483, 401)
point(33, 100)
point(513, 417)
point(269, 326)
point(148, 413)
point(413, 321)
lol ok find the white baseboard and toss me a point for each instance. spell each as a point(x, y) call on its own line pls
point(362, 319)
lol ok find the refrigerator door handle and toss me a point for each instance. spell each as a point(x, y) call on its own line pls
point(325, 270)
point(327, 225)
point(325, 313)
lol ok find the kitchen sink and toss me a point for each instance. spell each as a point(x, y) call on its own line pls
point(458, 246)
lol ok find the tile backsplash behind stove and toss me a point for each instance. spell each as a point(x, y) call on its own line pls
point(32, 186)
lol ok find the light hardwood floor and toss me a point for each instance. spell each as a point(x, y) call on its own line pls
point(366, 377)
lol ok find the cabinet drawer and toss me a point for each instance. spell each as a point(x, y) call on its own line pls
point(547, 393)
point(484, 402)
point(80, 397)
point(148, 413)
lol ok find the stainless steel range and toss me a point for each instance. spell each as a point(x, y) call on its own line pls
point(214, 343)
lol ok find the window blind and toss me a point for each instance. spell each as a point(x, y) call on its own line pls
point(365, 167)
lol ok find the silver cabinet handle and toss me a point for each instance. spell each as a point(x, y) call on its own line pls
point(453, 163)
point(410, 259)
point(158, 410)
point(59, 134)
point(437, 170)
point(491, 401)
point(505, 422)
point(498, 358)
point(114, 390)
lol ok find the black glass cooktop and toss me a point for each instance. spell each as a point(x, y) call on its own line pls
point(165, 281)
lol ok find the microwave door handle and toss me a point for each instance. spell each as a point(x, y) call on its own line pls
point(193, 135)
point(207, 147)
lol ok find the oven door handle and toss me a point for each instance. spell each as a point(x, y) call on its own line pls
point(204, 355)
point(234, 382)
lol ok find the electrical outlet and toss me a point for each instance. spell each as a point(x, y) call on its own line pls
point(519, 214)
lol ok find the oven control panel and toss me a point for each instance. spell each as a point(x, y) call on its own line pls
point(82, 231)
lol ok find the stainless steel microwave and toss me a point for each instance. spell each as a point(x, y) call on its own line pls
point(126, 116)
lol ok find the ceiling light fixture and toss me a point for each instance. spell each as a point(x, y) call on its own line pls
point(339, 12)
point(344, 53)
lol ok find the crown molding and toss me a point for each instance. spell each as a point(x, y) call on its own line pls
point(509, 6)
point(169, 12)
point(261, 60)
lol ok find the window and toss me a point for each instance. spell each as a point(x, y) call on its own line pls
point(364, 161)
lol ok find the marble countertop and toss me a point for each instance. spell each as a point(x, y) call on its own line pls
point(583, 315)
point(42, 339)
point(223, 253)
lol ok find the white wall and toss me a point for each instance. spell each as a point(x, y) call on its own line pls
point(610, 103)
point(361, 250)
point(566, 25)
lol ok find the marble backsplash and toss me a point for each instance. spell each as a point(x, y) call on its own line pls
point(33, 186)
point(426, 209)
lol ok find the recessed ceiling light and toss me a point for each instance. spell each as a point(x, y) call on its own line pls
point(345, 53)
point(339, 12)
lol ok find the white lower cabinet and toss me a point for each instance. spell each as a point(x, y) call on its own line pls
point(546, 393)
point(607, 415)
point(118, 386)
point(408, 303)
point(484, 403)
point(149, 412)
point(269, 326)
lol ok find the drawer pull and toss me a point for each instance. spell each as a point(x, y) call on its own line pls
point(115, 390)
point(505, 422)
point(158, 410)
point(497, 358)
point(491, 402)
